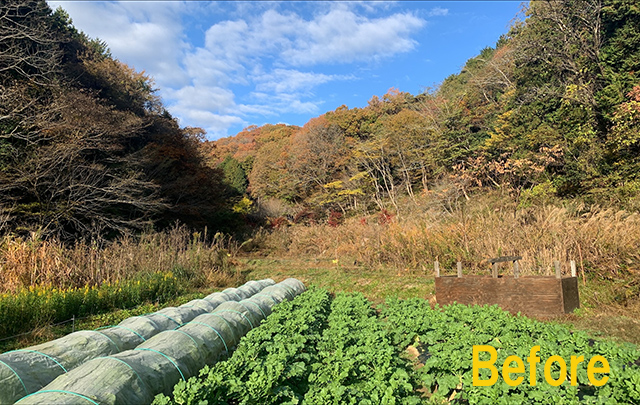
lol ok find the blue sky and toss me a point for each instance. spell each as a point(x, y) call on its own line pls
point(226, 65)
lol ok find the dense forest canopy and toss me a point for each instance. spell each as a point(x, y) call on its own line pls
point(88, 150)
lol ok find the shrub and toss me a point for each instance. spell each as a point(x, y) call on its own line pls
point(335, 219)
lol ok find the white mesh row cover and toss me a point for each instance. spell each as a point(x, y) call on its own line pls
point(25, 371)
point(137, 376)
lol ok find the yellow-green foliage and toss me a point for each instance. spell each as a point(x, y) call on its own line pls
point(244, 206)
point(45, 304)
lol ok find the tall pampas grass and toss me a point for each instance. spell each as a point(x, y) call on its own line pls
point(193, 256)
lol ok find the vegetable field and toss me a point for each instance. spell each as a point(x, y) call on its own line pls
point(325, 349)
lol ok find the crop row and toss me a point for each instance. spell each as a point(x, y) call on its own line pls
point(312, 350)
point(318, 350)
point(446, 336)
point(357, 362)
point(271, 363)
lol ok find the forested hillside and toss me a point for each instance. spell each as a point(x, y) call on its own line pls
point(86, 148)
point(551, 111)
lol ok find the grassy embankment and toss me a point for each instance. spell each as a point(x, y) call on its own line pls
point(394, 258)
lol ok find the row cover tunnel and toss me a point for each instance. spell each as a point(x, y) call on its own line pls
point(143, 355)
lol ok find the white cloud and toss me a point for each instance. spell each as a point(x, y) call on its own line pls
point(289, 80)
point(216, 125)
point(301, 107)
point(335, 37)
point(272, 104)
point(265, 109)
point(341, 36)
point(203, 98)
point(438, 12)
point(205, 68)
point(211, 108)
point(266, 52)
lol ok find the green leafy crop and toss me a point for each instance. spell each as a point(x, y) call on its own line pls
point(319, 349)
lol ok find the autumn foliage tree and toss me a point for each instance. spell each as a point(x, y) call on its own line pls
point(624, 138)
point(319, 154)
point(269, 176)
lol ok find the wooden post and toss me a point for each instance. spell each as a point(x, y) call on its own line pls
point(573, 269)
point(516, 269)
point(558, 272)
point(436, 266)
point(495, 270)
point(459, 269)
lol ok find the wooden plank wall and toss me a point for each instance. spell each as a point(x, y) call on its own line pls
point(538, 296)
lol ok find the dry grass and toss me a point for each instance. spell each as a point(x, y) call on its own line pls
point(602, 241)
point(396, 259)
point(25, 263)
